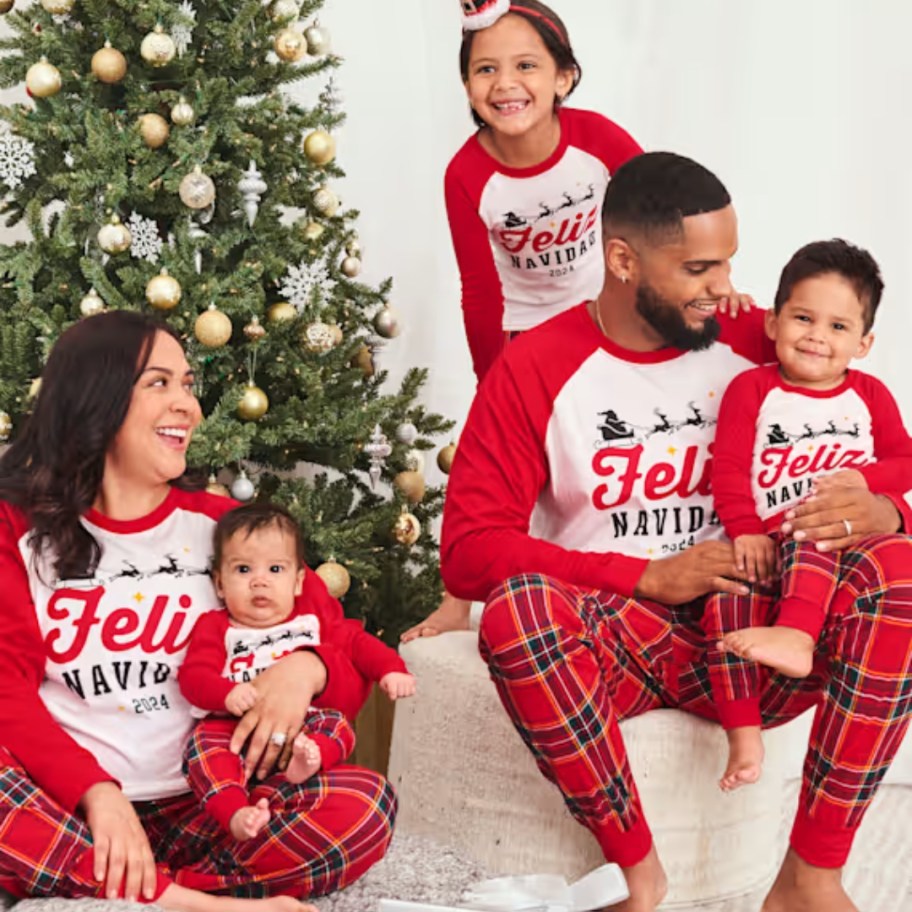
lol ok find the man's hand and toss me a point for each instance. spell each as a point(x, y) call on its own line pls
point(240, 698)
point(452, 614)
point(704, 568)
point(397, 684)
point(285, 692)
point(755, 555)
point(837, 516)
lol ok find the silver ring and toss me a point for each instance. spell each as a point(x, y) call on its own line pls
point(278, 739)
point(848, 526)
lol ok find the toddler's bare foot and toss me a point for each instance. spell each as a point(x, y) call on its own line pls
point(248, 821)
point(305, 759)
point(785, 649)
point(745, 758)
point(647, 884)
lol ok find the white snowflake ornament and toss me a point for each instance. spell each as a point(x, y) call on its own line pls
point(17, 159)
point(302, 281)
point(147, 243)
point(182, 27)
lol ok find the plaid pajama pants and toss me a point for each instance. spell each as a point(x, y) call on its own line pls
point(807, 585)
point(216, 775)
point(569, 663)
point(323, 835)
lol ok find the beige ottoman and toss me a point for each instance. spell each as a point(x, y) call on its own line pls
point(465, 778)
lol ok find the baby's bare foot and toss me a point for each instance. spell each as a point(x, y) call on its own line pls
point(745, 758)
point(784, 649)
point(247, 822)
point(305, 759)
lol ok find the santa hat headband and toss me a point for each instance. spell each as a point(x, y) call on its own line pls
point(480, 14)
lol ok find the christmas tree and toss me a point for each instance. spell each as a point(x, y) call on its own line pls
point(161, 165)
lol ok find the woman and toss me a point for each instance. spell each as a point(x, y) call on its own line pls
point(104, 568)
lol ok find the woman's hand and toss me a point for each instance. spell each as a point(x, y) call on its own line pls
point(122, 850)
point(285, 691)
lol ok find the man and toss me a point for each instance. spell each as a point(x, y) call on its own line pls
point(609, 544)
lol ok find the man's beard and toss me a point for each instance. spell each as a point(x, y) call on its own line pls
point(668, 321)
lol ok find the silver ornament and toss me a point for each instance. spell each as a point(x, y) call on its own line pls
point(252, 187)
point(158, 48)
point(114, 237)
point(407, 433)
point(91, 304)
point(196, 189)
point(242, 487)
point(318, 337)
point(318, 41)
point(182, 114)
point(351, 267)
point(58, 7)
point(414, 461)
point(326, 201)
point(386, 322)
point(195, 233)
point(284, 9)
point(378, 449)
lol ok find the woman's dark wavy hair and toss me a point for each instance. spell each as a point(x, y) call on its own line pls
point(53, 470)
point(557, 43)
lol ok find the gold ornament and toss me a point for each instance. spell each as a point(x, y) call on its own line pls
point(337, 333)
point(57, 7)
point(91, 304)
point(445, 458)
point(254, 330)
point(312, 231)
point(406, 529)
point(364, 359)
point(317, 337)
point(326, 201)
point(284, 9)
point(158, 48)
point(34, 388)
point(212, 327)
point(196, 190)
point(281, 312)
point(386, 322)
point(213, 487)
point(411, 484)
point(290, 45)
point(182, 114)
point(114, 237)
point(336, 578)
point(351, 267)
point(43, 79)
point(320, 147)
point(154, 130)
point(6, 423)
point(254, 403)
point(6, 6)
point(163, 291)
point(109, 65)
point(317, 40)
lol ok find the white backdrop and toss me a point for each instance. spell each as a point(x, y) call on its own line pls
point(797, 106)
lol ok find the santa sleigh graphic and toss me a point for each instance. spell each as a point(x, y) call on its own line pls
point(617, 431)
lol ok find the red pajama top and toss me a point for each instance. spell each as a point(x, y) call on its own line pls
point(90, 688)
point(773, 439)
point(583, 461)
point(529, 240)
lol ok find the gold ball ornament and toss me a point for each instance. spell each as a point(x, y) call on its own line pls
point(254, 330)
point(364, 360)
point(406, 529)
point(109, 65)
point(280, 10)
point(254, 403)
point(445, 458)
point(6, 6)
point(57, 7)
point(387, 324)
point(6, 427)
point(290, 45)
point(335, 576)
point(213, 487)
point(318, 42)
point(154, 130)
point(317, 337)
point(281, 312)
point(197, 190)
point(114, 237)
point(212, 327)
point(34, 388)
point(351, 267)
point(337, 333)
point(411, 484)
point(312, 231)
point(158, 48)
point(183, 114)
point(91, 304)
point(43, 79)
point(163, 291)
point(320, 147)
point(326, 201)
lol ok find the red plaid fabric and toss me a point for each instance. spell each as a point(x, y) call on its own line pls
point(322, 836)
point(569, 663)
point(216, 775)
point(808, 582)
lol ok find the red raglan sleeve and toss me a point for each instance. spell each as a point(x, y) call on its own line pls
point(891, 474)
point(482, 292)
point(52, 759)
point(498, 473)
point(602, 137)
point(201, 677)
point(733, 452)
